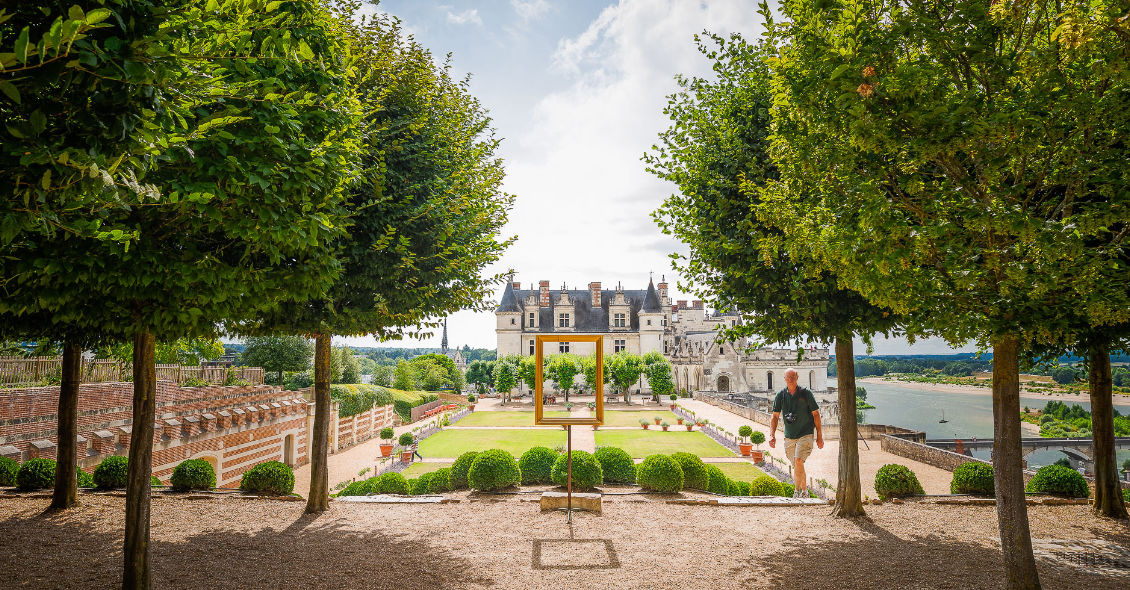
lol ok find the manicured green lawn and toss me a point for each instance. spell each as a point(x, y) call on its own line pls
point(504, 418)
point(417, 469)
point(641, 443)
point(455, 442)
point(632, 417)
point(739, 471)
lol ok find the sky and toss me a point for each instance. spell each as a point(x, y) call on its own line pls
point(576, 90)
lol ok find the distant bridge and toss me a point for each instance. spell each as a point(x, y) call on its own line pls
point(1078, 450)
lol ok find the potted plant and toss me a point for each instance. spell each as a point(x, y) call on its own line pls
point(665, 425)
point(406, 441)
point(758, 438)
point(386, 441)
point(689, 426)
point(658, 420)
point(592, 405)
point(673, 398)
point(471, 400)
point(644, 423)
point(569, 406)
point(680, 419)
point(745, 432)
point(701, 422)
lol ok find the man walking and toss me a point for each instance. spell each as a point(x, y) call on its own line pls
point(801, 418)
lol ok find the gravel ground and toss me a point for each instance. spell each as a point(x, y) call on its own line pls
point(505, 542)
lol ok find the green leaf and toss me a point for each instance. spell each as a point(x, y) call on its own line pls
point(21, 45)
point(97, 15)
point(304, 50)
point(45, 182)
point(10, 91)
point(75, 12)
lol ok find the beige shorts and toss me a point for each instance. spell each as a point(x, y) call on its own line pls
point(798, 448)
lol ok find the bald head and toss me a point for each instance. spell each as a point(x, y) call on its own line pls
point(791, 377)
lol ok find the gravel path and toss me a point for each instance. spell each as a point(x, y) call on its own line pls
point(506, 542)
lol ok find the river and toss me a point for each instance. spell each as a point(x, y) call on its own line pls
point(968, 415)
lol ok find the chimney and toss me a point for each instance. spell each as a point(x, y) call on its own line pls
point(544, 288)
point(662, 286)
point(594, 289)
point(696, 304)
point(517, 285)
point(682, 304)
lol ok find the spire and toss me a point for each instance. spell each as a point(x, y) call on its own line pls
point(509, 301)
point(443, 343)
point(651, 300)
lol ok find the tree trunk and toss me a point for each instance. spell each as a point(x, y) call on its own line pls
point(319, 500)
point(136, 548)
point(849, 501)
point(66, 480)
point(1012, 512)
point(1108, 492)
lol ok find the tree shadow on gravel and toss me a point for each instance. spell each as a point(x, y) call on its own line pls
point(58, 550)
point(884, 560)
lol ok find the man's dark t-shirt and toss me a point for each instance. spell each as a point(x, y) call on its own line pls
point(802, 404)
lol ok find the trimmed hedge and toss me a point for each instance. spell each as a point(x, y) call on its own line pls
point(154, 481)
point(112, 473)
point(587, 473)
point(404, 401)
point(358, 488)
point(84, 479)
point(716, 482)
point(616, 464)
point(461, 468)
point(766, 485)
point(494, 470)
point(695, 476)
point(356, 398)
point(8, 469)
point(896, 481)
point(387, 433)
point(1126, 495)
point(390, 483)
point(1058, 480)
point(422, 485)
point(536, 465)
point(441, 481)
point(271, 477)
point(660, 473)
point(973, 478)
point(738, 488)
point(193, 474)
point(36, 474)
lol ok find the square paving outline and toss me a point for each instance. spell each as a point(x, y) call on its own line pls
point(613, 558)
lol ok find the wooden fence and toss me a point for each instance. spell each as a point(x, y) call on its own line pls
point(46, 370)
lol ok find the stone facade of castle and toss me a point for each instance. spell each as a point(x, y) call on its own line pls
point(645, 320)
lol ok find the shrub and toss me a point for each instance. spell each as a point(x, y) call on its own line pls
point(745, 431)
point(84, 478)
point(766, 485)
point(441, 481)
point(787, 489)
point(111, 473)
point(471, 398)
point(757, 438)
point(695, 476)
point(738, 488)
point(358, 488)
point(1126, 495)
point(36, 474)
point(536, 465)
point(896, 481)
point(154, 481)
point(8, 469)
point(716, 481)
point(674, 397)
point(413, 485)
point(616, 464)
point(390, 483)
point(1058, 480)
point(461, 468)
point(386, 433)
point(193, 474)
point(422, 485)
point(973, 478)
point(493, 470)
point(660, 473)
point(587, 473)
point(353, 399)
point(271, 477)
point(406, 439)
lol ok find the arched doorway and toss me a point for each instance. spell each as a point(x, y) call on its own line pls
point(769, 381)
point(723, 383)
point(288, 450)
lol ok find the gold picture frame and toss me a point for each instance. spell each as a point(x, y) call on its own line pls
point(539, 356)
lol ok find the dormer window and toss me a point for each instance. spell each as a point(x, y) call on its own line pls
point(619, 320)
point(531, 319)
point(562, 320)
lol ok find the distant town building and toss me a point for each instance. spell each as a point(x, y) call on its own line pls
point(454, 355)
point(645, 320)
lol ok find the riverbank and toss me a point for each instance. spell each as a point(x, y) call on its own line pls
point(986, 391)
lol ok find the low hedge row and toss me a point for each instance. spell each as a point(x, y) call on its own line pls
point(353, 399)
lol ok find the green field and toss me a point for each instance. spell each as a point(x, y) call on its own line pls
point(641, 443)
point(632, 417)
point(739, 471)
point(455, 442)
point(417, 469)
point(505, 418)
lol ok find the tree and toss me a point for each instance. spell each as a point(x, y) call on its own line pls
point(278, 353)
point(405, 376)
point(717, 151)
point(505, 377)
point(383, 375)
point(527, 370)
point(1063, 375)
point(481, 374)
point(659, 379)
point(970, 157)
point(588, 367)
point(624, 369)
point(563, 369)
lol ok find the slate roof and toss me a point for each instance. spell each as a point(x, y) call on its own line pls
point(651, 300)
point(509, 301)
point(585, 318)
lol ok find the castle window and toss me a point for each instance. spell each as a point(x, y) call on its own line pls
point(733, 323)
point(531, 319)
point(531, 347)
point(511, 321)
point(664, 347)
point(562, 320)
point(618, 345)
point(649, 322)
point(562, 347)
point(618, 321)
point(664, 321)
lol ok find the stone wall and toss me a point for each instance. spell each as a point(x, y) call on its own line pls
point(923, 453)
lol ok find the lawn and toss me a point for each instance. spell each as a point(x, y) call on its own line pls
point(632, 417)
point(739, 471)
point(641, 443)
point(417, 469)
point(505, 418)
point(455, 442)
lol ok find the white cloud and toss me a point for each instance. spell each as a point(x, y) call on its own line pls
point(469, 16)
point(530, 10)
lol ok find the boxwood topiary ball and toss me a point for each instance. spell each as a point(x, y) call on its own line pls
point(358, 488)
point(421, 485)
point(494, 470)
point(738, 488)
point(745, 431)
point(587, 473)
point(390, 483)
point(973, 478)
point(111, 473)
point(36, 474)
point(406, 439)
point(461, 468)
point(271, 477)
point(193, 474)
point(8, 469)
point(441, 481)
point(660, 473)
point(84, 478)
point(766, 485)
point(536, 465)
point(716, 482)
point(896, 481)
point(695, 476)
point(1058, 480)
point(154, 481)
point(616, 464)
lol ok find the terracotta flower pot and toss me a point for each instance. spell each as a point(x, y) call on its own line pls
point(673, 406)
point(386, 450)
point(406, 456)
point(680, 420)
point(745, 448)
point(644, 426)
point(758, 456)
point(657, 421)
point(595, 426)
point(472, 406)
point(689, 427)
point(664, 429)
